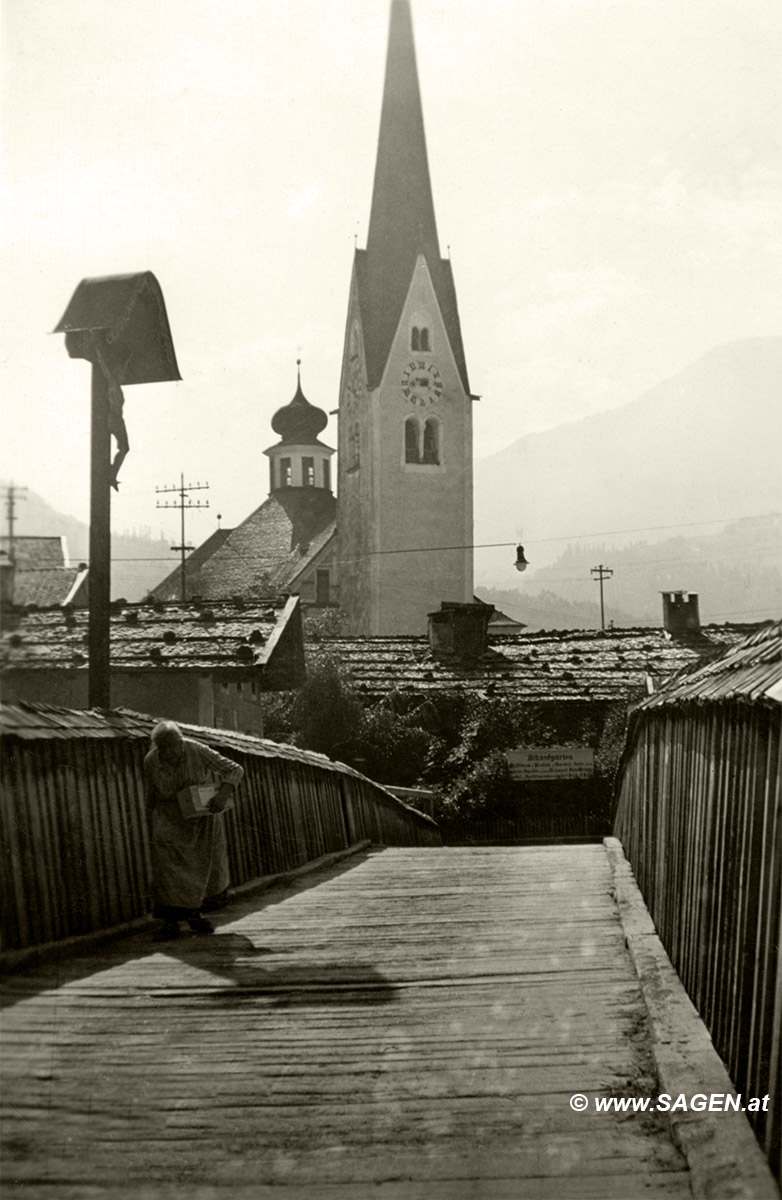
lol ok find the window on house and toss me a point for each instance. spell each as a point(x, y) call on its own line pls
point(327, 474)
point(286, 474)
point(322, 587)
point(412, 454)
point(432, 440)
point(308, 471)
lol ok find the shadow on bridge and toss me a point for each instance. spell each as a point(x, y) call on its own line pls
point(225, 955)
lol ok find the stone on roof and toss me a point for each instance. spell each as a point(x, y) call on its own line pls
point(549, 667)
point(224, 636)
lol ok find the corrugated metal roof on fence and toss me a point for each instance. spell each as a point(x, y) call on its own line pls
point(750, 671)
point(45, 721)
point(33, 721)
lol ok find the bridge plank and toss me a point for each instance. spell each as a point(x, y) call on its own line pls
point(415, 1023)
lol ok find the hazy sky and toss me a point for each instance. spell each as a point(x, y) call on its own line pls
point(607, 175)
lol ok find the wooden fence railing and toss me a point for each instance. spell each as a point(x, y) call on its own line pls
point(74, 854)
point(700, 820)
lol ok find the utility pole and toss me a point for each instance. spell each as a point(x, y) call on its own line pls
point(11, 495)
point(182, 503)
point(602, 573)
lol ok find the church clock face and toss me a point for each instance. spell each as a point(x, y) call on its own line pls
point(421, 383)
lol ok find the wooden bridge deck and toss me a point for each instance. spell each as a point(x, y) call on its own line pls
point(411, 1023)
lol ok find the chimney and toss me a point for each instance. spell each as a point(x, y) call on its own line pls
point(7, 576)
point(459, 630)
point(680, 614)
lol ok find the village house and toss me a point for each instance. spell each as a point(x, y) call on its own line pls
point(36, 570)
point(204, 664)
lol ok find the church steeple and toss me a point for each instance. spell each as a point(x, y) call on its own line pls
point(402, 223)
point(405, 409)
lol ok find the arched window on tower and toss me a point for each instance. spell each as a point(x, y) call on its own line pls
point(419, 338)
point(286, 474)
point(412, 434)
point(431, 440)
point(308, 472)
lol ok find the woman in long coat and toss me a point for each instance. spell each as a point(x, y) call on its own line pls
point(189, 855)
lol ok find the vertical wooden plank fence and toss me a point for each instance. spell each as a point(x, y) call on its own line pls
point(699, 815)
point(74, 852)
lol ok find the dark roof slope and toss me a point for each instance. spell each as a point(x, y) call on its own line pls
point(45, 587)
point(536, 667)
point(171, 587)
point(36, 553)
point(264, 554)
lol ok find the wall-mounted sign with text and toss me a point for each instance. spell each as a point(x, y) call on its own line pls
point(551, 762)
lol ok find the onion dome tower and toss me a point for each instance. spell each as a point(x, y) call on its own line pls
point(299, 459)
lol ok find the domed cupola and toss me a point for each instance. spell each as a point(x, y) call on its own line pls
point(299, 421)
point(299, 459)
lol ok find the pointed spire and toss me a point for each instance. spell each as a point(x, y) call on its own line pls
point(402, 223)
point(402, 217)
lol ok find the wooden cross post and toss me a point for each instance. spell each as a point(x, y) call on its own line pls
point(99, 682)
point(119, 324)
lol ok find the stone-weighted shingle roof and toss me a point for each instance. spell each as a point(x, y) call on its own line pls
point(567, 666)
point(222, 636)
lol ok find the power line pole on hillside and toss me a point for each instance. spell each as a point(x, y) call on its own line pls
point(182, 503)
point(600, 573)
point(12, 493)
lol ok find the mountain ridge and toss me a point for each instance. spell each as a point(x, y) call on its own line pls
point(700, 447)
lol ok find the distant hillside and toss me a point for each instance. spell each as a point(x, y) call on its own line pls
point(137, 558)
point(735, 572)
point(696, 448)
